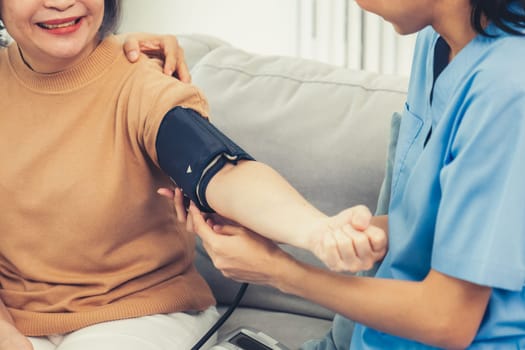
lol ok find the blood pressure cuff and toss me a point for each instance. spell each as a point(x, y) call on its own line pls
point(191, 151)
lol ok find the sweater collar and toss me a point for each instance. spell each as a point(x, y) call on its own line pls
point(73, 78)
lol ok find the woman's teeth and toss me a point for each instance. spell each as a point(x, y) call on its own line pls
point(56, 26)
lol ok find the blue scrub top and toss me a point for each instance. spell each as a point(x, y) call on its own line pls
point(458, 191)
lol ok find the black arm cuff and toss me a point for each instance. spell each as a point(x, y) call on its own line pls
point(191, 151)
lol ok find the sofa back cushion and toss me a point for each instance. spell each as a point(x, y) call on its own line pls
point(324, 128)
point(196, 46)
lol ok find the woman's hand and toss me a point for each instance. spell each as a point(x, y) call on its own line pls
point(348, 241)
point(11, 338)
point(181, 204)
point(164, 47)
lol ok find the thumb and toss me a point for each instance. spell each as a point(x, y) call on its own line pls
point(361, 217)
point(166, 192)
point(200, 227)
point(358, 217)
point(131, 48)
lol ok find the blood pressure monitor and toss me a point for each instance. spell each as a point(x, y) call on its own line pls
point(248, 339)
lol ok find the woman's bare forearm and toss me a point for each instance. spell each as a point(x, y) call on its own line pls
point(252, 192)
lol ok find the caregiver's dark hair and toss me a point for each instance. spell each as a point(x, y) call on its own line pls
point(499, 13)
point(109, 25)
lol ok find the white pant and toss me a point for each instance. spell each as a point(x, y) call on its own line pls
point(177, 331)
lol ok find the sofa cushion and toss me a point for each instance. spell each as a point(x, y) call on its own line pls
point(323, 127)
point(196, 46)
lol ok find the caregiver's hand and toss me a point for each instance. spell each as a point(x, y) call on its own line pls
point(181, 204)
point(165, 47)
point(239, 253)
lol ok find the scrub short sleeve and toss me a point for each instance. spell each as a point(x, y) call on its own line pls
point(480, 231)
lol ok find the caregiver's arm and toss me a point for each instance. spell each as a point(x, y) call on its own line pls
point(440, 310)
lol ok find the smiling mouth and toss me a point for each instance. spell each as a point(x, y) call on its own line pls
point(59, 25)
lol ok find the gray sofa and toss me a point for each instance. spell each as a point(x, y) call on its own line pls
point(325, 128)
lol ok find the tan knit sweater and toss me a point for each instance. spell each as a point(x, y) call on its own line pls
point(84, 237)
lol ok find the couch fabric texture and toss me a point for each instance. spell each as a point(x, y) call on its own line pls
point(326, 129)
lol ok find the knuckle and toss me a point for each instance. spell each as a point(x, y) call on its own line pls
point(362, 208)
point(362, 243)
point(367, 265)
point(378, 236)
point(219, 263)
point(332, 265)
point(353, 268)
point(363, 265)
point(329, 247)
point(379, 255)
point(337, 267)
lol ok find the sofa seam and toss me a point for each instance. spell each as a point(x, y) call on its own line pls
point(296, 79)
